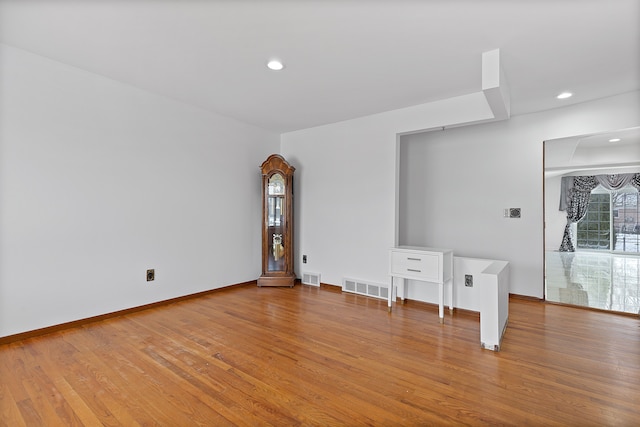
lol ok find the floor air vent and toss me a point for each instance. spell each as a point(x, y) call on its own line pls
point(312, 279)
point(361, 287)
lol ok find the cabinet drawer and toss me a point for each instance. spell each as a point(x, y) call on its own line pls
point(422, 266)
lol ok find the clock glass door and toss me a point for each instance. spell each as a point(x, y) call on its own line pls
point(275, 222)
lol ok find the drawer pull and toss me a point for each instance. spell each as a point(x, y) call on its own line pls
point(414, 259)
point(415, 271)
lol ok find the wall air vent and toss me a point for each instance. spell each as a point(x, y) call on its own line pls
point(362, 287)
point(312, 279)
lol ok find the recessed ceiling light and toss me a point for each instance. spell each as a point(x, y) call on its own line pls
point(564, 95)
point(614, 140)
point(275, 65)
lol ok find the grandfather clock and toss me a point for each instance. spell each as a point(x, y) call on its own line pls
point(277, 223)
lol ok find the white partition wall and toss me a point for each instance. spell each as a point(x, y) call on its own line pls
point(482, 285)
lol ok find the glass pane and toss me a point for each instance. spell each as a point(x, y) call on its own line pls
point(593, 229)
point(276, 250)
point(611, 222)
point(275, 216)
point(625, 222)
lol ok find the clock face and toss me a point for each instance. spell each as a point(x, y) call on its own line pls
point(276, 185)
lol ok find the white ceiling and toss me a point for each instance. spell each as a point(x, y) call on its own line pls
point(594, 154)
point(344, 59)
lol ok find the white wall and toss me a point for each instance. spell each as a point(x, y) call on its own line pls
point(100, 181)
point(345, 189)
point(344, 197)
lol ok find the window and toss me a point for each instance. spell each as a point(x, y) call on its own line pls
point(611, 221)
point(594, 230)
point(625, 224)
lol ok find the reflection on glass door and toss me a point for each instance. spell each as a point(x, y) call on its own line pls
point(625, 221)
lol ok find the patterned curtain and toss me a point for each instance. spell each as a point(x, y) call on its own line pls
point(578, 202)
point(616, 182)
point(635, 181)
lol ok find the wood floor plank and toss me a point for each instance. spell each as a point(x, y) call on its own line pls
point(112, 372)
point(9, 410)
point(308, 356)
point(279, 365)
point(245, 381)
point(56, 357)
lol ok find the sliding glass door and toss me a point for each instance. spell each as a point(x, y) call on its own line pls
point(611, 222)
point(625, 221)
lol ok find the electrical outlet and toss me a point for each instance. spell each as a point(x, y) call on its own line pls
point(151, 275)
point(304, 259)
point(468, 280)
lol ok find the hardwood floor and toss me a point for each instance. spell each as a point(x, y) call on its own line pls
point(308, 356)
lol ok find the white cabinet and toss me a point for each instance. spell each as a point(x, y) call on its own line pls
point(429, 265)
